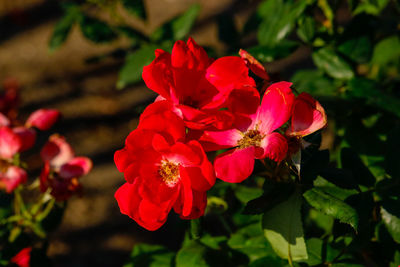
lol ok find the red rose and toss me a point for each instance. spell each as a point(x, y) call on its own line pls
point(162, 170)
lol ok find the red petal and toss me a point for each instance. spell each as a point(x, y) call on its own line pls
point(236, 165)
point(185, 201)
point(183, 154)
point(76, 167)
point(275, 107)
point(256, 67)
point(158, 75)
point(44, 177)
point(273, 146)
point(244, 100)
point(43, 119)
point(27, 136)
point(228, 73)
point(22, 259)
point(57, 151)
point(10, 143)
point(221, 140)
point(308, 116)
point(122, 159)
point(198, 206)
point(12, 178)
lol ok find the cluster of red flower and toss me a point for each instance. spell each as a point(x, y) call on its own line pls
point(61, 168)
point(205, 105)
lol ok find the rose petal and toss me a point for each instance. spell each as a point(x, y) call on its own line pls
point(12, 178)
point(235, 165)
point(57, 151)
point(308, 116)
point(273, 146)
point(76, 167)
point(10, 143)
point(256, 67)
point(23, 258)
point(220, 140)
point(43, 119)
point(27, 136)
point(275, 107)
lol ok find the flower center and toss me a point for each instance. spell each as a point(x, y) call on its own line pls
point(169, 172)
point(250, 138)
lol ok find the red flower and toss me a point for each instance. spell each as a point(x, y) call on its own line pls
point(10, 144)
point(196, 86)
point(162, 171)
point(253, 137)
point(22, 259)
point(62, 169)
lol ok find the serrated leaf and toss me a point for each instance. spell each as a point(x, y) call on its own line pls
point(135, 7)
point(283, 229)
point(131, 72)
point(179, 27)
point(332, 206)
point(390, 212)
point(335, 66)
point(63, 27)
point(96, 30)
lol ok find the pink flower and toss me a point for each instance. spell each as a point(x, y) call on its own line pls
point(22, 259)
point(62, 169)
point(196, 85)
point(162, 170)
point(253, 136)
point(10, 144)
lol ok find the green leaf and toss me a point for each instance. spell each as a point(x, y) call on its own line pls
point(132, 70)
point(268, 54)
point(329, 61)
point(63, 27)
point(278, 18)
point(135, 7)
point(333, 206)
point(390, 212)
point(396, 260)
point(283, 229)
point(358, 49)
point(192, 255)
point(306, 30)
point(269, 261)
point(314, 82)
point(386, 51)
point(179, 27)
point(96, 30)
point(363, 88)
point(314, 249)
point(245, 193)
point(144, 255)
point(373, 7)
point(250, 241)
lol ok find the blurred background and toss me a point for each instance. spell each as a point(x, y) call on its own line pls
point(340, 52)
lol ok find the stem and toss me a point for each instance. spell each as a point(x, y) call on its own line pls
point(195, 228)
point(46, 211)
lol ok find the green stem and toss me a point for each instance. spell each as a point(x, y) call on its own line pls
point(41, 216)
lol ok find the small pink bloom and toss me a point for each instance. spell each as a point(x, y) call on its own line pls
point(10, 143)
point(256, 67)
point(253, 136)
point(11, 176)
point(308, 116)
point(43, 119)
point(57, 151)
point(62, 169)
point(22, 259)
